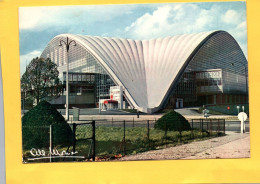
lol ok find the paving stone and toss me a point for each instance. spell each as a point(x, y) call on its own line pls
point(233, 145)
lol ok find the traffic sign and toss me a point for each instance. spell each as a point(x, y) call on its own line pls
point(242, 117)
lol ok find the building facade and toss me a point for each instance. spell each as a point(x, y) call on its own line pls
point(179, 71)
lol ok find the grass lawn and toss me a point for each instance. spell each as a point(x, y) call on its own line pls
point(110, 142)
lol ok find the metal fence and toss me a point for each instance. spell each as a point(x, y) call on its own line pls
point(209, 125)
point(84, 141)
point(109, 139)
point(115, 139)
point(40, 144)
point(53, 143)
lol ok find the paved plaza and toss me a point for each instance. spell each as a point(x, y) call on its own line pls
point(233, 145)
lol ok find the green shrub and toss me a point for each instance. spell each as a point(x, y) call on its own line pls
point(35, 127)
point(172, 121)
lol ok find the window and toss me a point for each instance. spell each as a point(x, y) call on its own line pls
point(88, 78)
point(92, 78)
point(79, 77)
point(70, 77)
point(84, 77)
point(60, 57)
point(56, 57)
point(75, 77)
point(52, 56)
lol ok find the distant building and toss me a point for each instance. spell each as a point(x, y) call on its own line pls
point(172, 72)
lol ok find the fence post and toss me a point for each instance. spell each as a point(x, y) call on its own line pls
point(207, 126)
point(94, 139)
point(218, 127)
point(50, 141)
point(192, 129)
point(224, 126)
point(74, 137)
point(201, 130)
point(112, 122)
point(124, 139)
point(133, 122)
point(211, 129)
point(148, 133)
point(165, 134)
point(202, 125)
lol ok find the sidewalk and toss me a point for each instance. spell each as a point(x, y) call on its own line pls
point(233, 145)
point(144, 117)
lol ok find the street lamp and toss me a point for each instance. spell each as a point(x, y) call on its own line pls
point(67, 44)
point(238, 109)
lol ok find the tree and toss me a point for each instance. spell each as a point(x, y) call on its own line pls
point(41, 79)
point(172, 121)
point(36, 124)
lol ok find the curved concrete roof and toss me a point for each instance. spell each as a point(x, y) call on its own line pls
point(146, 69)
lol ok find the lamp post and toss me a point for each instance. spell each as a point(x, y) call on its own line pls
point(238, 109)
point(99, 90)
point(67, 44)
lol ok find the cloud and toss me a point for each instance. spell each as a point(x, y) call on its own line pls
point(36, 18)
point(240, 32)
point(231, 17)
point(26, 59)
point(28, 19)
point(186, 18)
point(140, 21)
point(150, 24)
point(171, 20)
point(54, 16)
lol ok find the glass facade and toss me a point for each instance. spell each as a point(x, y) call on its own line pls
point(85, 73)
point(216, 74)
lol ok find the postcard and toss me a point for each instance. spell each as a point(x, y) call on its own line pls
point(134, 82)
point(157, 92)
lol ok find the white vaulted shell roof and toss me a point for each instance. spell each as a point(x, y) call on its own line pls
point(146, 69)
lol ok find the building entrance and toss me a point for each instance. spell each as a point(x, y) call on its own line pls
point(179, 103)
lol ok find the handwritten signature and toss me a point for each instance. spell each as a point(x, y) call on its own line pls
point(52, 153)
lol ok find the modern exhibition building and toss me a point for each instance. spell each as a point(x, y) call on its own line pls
point(206, 68)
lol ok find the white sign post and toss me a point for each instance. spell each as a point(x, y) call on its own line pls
point(242, 117)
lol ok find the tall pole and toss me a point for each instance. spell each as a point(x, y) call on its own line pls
point(67, 87)
point(50, 142)
point(99, 90)
point(67, 44)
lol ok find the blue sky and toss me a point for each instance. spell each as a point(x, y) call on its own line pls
point(38, 25)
